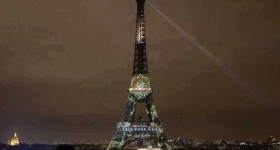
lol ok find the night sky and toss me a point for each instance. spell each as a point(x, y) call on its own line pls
point(66, 65)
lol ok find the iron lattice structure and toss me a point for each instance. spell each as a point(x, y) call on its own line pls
point(140, 91)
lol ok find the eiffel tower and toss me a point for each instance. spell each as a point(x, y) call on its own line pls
point(140, 91)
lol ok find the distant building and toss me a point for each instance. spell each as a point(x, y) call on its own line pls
point(271, 140)
point(15, 140)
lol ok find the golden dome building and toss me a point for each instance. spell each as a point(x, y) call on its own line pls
point(15, 140)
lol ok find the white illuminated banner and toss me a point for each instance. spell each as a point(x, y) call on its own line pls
point(138, 130)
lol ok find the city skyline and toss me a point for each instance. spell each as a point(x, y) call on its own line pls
point(66, 67)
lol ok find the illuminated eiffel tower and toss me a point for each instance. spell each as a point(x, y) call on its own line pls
point(128, 130)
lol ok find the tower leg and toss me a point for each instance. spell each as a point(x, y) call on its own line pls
point(151, 110)
point(130, 109)
point(119, 138)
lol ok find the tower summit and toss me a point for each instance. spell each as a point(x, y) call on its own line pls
point(148, 131)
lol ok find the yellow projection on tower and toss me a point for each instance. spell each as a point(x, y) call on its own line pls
point(14, 140)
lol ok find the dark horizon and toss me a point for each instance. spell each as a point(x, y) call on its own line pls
point(65, 67)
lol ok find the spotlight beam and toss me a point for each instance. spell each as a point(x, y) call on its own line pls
point(227, 70)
